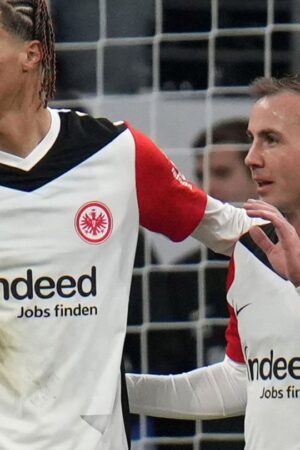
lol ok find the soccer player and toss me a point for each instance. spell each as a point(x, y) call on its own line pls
point(73, 191)
point(261, 371)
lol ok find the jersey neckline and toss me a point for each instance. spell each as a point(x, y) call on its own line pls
point(38, 152)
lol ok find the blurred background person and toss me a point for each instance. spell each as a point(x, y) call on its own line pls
point(229, 179)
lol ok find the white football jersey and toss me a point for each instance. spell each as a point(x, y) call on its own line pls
point(70, 214)
point(264, 333)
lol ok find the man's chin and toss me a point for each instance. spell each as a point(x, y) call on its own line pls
point(269, 199)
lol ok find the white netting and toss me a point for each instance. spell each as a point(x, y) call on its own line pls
point(173, 68)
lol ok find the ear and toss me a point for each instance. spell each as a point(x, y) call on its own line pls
point(32, 55)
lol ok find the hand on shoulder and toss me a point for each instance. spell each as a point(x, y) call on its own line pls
point(284, 256)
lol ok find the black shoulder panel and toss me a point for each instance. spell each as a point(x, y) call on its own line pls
point(246, 240)
point(79, 138)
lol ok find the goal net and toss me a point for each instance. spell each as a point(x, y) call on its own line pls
point(174, 68)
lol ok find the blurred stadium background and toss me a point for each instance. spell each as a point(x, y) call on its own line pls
point(172, 68)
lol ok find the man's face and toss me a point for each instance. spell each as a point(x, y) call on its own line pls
point(228, 177)
point(274, 156)
point(10, 67)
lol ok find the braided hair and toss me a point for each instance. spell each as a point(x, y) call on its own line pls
point(29, 20)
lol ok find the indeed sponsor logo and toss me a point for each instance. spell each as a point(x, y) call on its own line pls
point(271, 367)
point(46, 287)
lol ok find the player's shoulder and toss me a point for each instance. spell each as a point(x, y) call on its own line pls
point(253, 248)
point(81, 125)
point(267, 228)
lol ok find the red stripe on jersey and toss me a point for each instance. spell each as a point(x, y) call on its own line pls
point(168, 203)
point(230, 274)
point(234, 346)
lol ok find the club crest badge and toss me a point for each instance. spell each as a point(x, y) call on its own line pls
point(93, 222)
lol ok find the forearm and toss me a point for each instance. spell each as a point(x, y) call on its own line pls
point(222, 226)
point(207, 393)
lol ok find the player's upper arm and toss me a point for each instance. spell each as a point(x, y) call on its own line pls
point(168, 203)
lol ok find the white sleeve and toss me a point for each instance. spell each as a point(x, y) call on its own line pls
point(211, 392)
point(222, 226)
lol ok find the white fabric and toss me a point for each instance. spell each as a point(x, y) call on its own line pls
point(222, 226)
point(27, 163)
point(210, 392)
point(63, 292)
point(268, 320)
point(60, 374)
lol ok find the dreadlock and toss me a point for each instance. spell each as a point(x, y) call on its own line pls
point(29, 20)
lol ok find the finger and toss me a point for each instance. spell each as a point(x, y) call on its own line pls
point(267, 212)
point(284, 230)
point(261, 240)
point(257, 205)
point(256, 201)
point(286, 233)
point(271, 216)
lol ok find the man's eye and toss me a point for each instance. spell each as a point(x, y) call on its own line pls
point(223, 172)
point(271, 139)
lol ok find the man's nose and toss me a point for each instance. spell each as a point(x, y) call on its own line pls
point(254, 156)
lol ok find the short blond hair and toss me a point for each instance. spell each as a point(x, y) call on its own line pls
point(264, 86)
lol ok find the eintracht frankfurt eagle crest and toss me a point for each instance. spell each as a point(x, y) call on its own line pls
point(93, 222)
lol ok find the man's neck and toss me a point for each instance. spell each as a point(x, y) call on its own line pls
point(21, 132)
